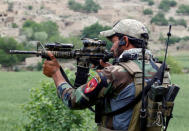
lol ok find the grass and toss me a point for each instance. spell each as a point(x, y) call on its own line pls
point(183, 59)
point(180, 118)
point(14, 91)
point(15, 86)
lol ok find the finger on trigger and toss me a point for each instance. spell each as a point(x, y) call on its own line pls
point(50, 54)
point(102, 62)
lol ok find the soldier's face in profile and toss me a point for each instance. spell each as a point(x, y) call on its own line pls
point(115, 47)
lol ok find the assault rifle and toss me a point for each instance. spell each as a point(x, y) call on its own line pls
point(92, 51)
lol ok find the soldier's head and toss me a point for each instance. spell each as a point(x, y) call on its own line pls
point(126, 34)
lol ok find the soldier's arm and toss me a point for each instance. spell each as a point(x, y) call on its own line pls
point(85, 95)
point(79, 98)
point(107, 81)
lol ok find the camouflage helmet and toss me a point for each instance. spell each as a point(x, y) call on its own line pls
point(129, 27)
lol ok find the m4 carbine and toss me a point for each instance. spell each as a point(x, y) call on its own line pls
point(92, 51)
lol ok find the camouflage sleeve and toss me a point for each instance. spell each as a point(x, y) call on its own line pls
point(84, 96)
point(117, 78)
point(103, 83)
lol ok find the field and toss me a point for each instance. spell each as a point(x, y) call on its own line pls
point(182, 58)
point(15, 86)
point(14, 91)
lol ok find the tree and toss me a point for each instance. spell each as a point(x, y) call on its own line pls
point(89, 6)
point(166, 4)
point(147, 12)
point(40, 36)
point(7, 44)
point(30, 28)
point(28, 32)
point(94, 30)
point(183, 9)
point(159, 19)
point(51, 28)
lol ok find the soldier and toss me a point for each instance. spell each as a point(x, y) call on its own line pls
point(115, 85)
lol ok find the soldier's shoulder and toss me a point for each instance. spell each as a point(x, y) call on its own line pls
point(114, 69)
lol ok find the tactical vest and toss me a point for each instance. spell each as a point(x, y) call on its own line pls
point(155, 112)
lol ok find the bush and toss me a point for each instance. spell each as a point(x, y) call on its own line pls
point(182, 22)
point(94, 30)
point(47, 30)
point(177, 22)
point(147, 12)
point(7, 44)
point(150, 2)
point(40, 36)
point(183, 9)
point(74, 5)
point(28, 32)
point(159, 19)
point(174, 39)
point(76, 41)
point(185, 38)
point(30, 7)
point(46, 111)
point(14, 25)
point(89, 6)
point(174, 65)
point(166, 4)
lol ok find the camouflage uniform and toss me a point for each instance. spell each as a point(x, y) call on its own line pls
point(110, 83)
point(114, 85)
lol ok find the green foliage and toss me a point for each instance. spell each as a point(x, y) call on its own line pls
point(94, 30)
point(150, 2)
point(46, 111)
point(14, 92)
point(183, 9)
point(159, 19)
point(74, 5)
point(76, 41)
point(40, 36)
point(166, 4)
point(45, 30)
point(177, 22)
point(174, 65)
point(147, 12)
point(28, 32)
point(51, 28)
point(185, 38)
point(14, 25)
point(89, 6)
point(173, 39)
point(7, 44)
point(30, 7)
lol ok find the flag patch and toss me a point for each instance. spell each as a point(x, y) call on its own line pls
point(91, 85)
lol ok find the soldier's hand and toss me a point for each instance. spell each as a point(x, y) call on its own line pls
point(104, 64)
point(50, 67)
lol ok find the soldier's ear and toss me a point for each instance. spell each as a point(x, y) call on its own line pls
point(125, 38)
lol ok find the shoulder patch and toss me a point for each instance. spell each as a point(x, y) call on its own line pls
point(91, 85)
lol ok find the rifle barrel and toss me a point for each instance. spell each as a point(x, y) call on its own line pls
point(23, 52)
